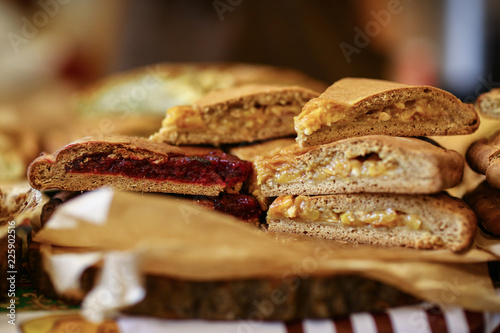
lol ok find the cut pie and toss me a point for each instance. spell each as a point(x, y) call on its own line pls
point(356, 107)
point(483, 156)
point(418, 221)
point(137, 164)
point(133, 102)
point(243, 114)
point(374, 163)
point(485, 202)
point(488, 104)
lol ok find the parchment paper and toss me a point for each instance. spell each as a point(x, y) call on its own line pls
point(180, 240)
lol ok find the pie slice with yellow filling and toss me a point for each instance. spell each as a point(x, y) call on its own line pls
point(137, 164)
point(419, 221)
point(355, 107)
point(242, 114)
point(374, 163)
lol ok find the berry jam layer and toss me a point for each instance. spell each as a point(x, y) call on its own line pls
point(245, 207)
point(212, 169)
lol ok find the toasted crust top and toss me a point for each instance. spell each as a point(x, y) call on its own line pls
point(264, 94)
point(264, 149)
point(373, 93)
point(137, 142)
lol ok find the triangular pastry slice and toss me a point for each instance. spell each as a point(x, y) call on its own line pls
point(242, 114)
point(357, 106)
point(374, 163)
point(137, 164)
point(420, 221)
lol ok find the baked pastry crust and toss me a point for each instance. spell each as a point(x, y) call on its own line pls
point(262, 149)
point(137, 164)
point(483, 157)
point(485, 202)
point(357, 106)
point(374, 163)
point(435, 221)
point(242, 114)
point(488, 104)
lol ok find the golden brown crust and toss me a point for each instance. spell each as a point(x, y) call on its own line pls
point(447, 222)
point(235, 115)
point(421, 168)
point(48, 170)
point(485, 202)
point(355, 97)
point(263, 149)
point(488, 104)
point(483, 157)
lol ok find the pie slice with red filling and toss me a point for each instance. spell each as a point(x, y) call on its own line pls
point(137, 164)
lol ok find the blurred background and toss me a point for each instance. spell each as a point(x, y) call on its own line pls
point(49, 49)
point(453, 44)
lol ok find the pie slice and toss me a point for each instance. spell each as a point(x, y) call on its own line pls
point(374, 163)
point(137, 164)
point(483, 156)
point(485, 202)
point(488, 104)
point(242, 114)
point(420, 221)
point(356, 107)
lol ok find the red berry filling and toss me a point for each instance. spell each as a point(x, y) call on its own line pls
point(242, 206)
point(212, 169)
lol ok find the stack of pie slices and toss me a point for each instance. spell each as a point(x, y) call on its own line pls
point(354, 177)
point(357, 172)
point(183, 157)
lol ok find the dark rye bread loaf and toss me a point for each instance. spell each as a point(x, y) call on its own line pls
point(375, 163)
point(488, 104)
point(290, 298)
point(241, 114)
point(483, 157)
point(356, 107)
point(137, 164)
point(427, 221)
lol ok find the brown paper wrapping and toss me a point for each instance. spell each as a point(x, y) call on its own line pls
point(179, 240)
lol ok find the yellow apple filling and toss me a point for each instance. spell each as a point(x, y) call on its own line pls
point(283, 170)
point(320, 112)
point(301, 209)
point(187, 118)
